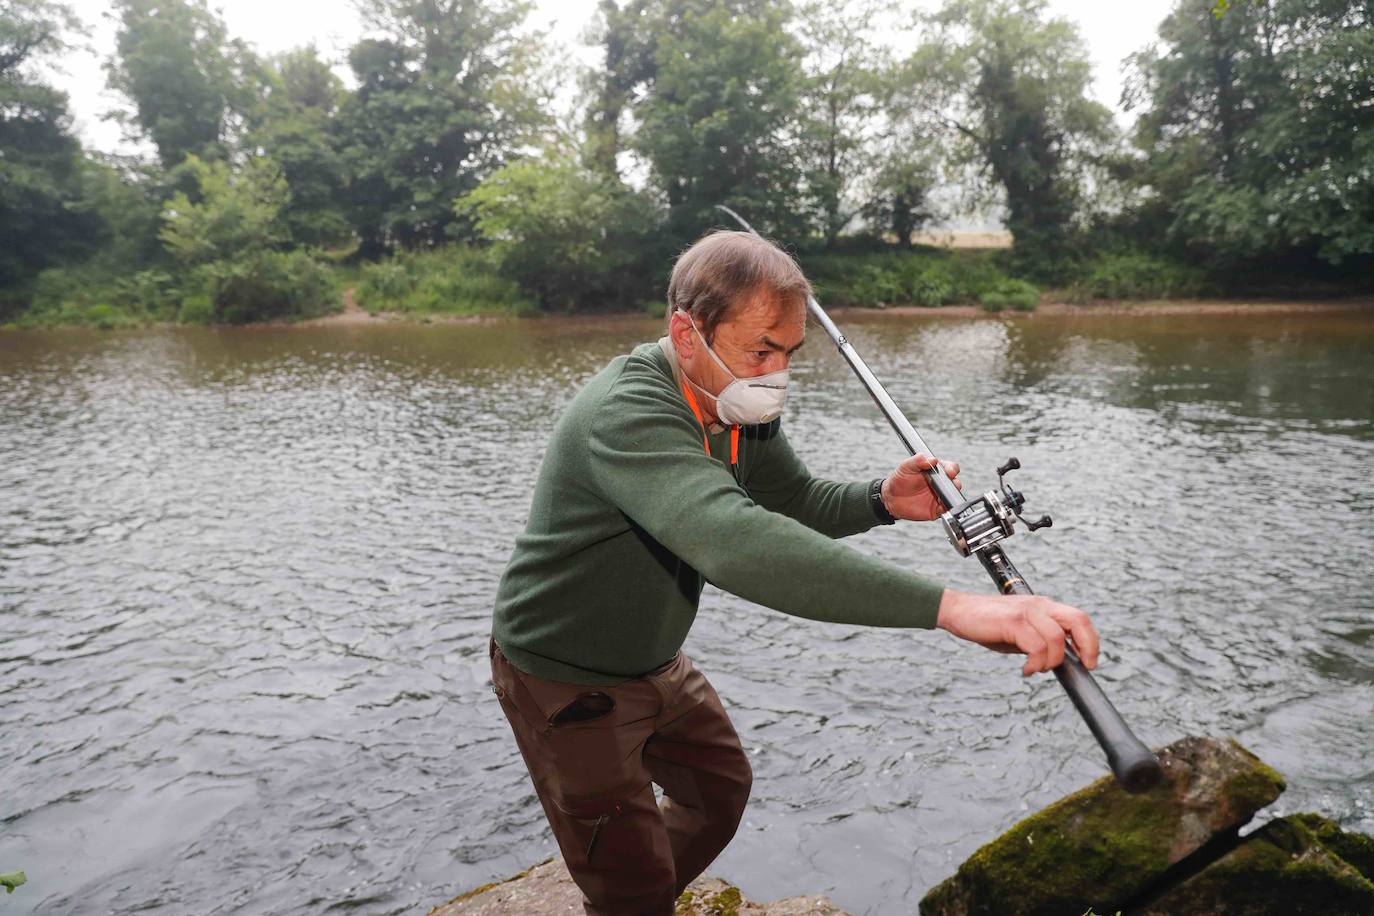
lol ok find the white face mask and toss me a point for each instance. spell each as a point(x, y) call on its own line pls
point(745, 401)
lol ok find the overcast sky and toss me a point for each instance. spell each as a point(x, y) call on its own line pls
point(1112, 31)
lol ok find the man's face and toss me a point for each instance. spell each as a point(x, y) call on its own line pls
point(756, 338)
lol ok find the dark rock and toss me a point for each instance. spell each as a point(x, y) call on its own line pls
point(1102, 847)
point(1288, 867)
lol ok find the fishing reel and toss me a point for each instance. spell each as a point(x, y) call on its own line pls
point(987, 519)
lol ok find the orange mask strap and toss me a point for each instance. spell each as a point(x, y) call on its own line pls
point(706, 443)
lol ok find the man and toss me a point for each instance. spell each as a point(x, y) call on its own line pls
point(668, 469)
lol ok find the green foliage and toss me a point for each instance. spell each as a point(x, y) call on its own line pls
point(570, 236)
point(266, 285)
point(717, 119)
point(926, 277)
point(185, 77)
point(1015, 294)
point(1012, 85)
point(1138, 276)
point(42, 220)
point(453, 280)
point(292, 126)
point(444, 97)
point(237, 211)
point(1257, 128)
point(196, 308)
point(842, 115)
point(12, 879)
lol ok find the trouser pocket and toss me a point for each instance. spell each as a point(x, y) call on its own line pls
point(588, 819)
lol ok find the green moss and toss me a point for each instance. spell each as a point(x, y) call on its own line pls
point(1101, 845)
point(1252, 789)
point(723, 903)
point(1282, 868)
point(1355, 848)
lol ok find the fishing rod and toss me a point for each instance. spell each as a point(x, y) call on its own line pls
point(976, 527)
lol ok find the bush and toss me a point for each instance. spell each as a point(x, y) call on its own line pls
point(1016, 294)
point(924, 276)
point(1138, 276)
point(569, 236)
point(196, 309)
point(455, 280)
point(81, 296)
point(263, 285)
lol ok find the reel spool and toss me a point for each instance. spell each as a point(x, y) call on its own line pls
point(985, 520)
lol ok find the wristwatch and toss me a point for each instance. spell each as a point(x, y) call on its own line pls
point(875, 499)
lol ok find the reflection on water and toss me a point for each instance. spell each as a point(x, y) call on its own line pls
point(245, 581)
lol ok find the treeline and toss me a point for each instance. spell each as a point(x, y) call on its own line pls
point(444, 177)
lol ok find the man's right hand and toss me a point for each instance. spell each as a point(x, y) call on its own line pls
point(1030, 624)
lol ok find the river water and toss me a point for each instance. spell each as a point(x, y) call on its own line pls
point(246, 578)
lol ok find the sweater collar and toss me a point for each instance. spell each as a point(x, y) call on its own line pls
point(665, 346)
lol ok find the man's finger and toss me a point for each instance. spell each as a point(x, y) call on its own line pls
point(1053, 634)
point(922, 462)
point(1085, 640)
point(1029, 641)
point(951, 469)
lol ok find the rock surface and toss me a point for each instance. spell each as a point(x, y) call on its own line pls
point(548, 889)
point(1102, 847)
point(1290, 865)
point(1173, 851)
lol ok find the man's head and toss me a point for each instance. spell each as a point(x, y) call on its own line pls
point(747, 298)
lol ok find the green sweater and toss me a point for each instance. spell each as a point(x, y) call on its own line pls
point(630, 518)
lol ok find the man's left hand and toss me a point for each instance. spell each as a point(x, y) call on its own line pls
point(907, 493)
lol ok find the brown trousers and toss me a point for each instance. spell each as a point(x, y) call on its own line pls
point(592, 753)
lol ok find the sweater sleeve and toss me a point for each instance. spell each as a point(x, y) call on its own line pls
point(782, 483)
point(645, 457)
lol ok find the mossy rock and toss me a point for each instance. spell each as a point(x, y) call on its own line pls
point(1355, 848)
point(1286, 868)
point(710, 902)
point(1100, 847)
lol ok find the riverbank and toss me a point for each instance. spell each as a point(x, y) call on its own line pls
point(353, 315)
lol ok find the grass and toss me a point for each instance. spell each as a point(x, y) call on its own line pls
point(454, 280)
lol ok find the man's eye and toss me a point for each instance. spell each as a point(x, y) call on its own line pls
point(761, 354)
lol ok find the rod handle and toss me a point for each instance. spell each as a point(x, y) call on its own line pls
point(1135, 766)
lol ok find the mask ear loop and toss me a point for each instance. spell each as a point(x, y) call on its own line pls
point(706, 443)
point(696, 411)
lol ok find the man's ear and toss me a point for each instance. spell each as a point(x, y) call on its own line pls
point(683, 337)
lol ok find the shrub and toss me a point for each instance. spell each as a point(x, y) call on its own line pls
point(1016, 294)
point(81, 296)
point(456, 279)
point(569, 236)
point(196, 309)
point(924, 276)
point(1138, 276)
point(262, 285)
point(154, 291)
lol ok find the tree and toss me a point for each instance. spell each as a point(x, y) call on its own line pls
point(188, 82)
point(717, 122)
point(444, 97)
point(293, 127)
point(567, 233)
point(42, 217)
point(235, 211)
point(627, 63)
point(1257, 128)
point(844, 119)
point(1012, 88)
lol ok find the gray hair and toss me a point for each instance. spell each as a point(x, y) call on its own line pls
point(726, 268)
